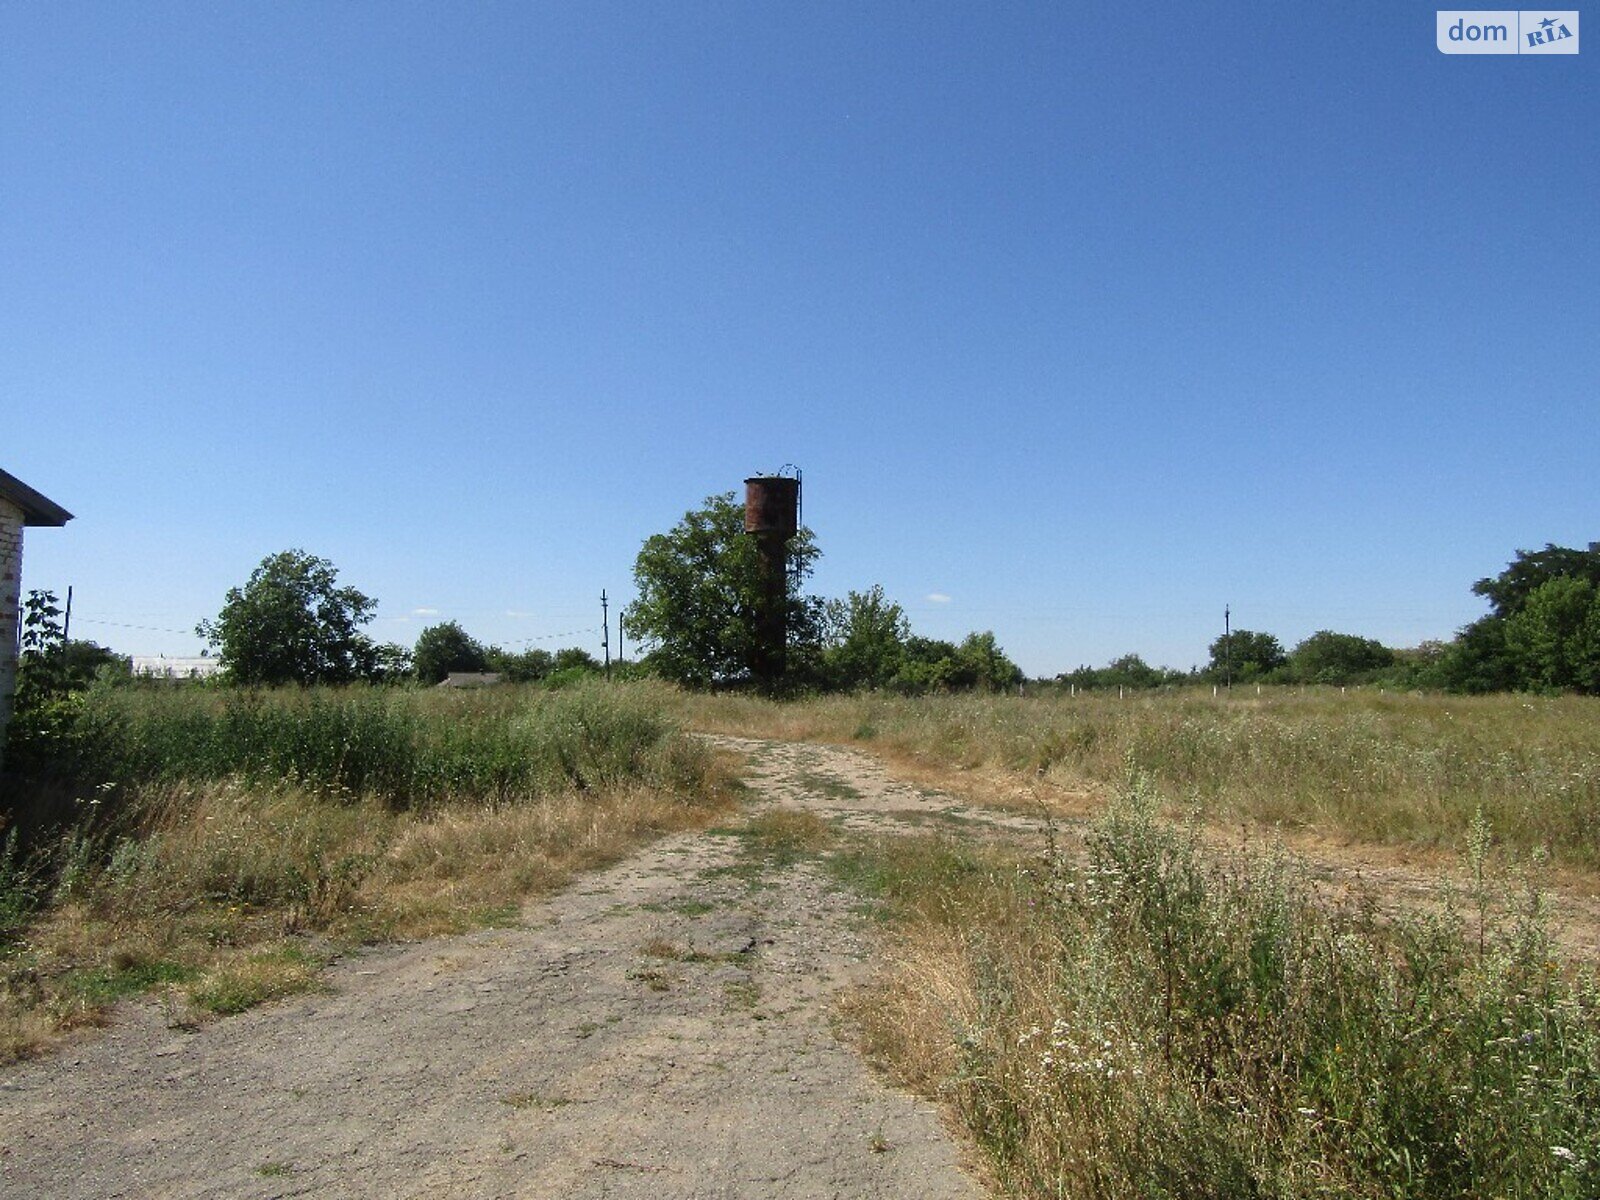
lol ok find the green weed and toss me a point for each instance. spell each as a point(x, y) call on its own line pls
point(241, 984)
point(827, 785)
point(105, 985)
point(1157, 1022)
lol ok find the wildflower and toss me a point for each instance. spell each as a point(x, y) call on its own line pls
point(1564, 1154)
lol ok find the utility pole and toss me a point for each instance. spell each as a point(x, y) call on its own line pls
point(1227, 647)
point(622, 652)
point(66, 625)
point(605, 630)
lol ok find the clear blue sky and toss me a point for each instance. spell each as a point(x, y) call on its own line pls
point(1080, 323)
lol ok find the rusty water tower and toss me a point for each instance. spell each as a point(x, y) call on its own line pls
point(772, 517)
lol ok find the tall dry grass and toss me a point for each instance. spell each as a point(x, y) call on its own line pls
point(1154, 1021)
point(225, 870)
point(1400, 769)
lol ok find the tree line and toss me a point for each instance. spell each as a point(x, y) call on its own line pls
point(1542, 634)
point(699, 588)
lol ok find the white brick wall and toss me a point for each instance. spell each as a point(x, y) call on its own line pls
point(10, 597)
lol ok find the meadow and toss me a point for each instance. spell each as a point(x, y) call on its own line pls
point(1123, 1010)
point(1137, 1012)
point(1135, 1017)
point(1390, 769)
point(220, 845)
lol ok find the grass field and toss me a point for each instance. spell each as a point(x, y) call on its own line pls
point(219, 845)
point(1134, 1014)
point(1389, 769)
point(1142, 1015)
point(1146, 1020)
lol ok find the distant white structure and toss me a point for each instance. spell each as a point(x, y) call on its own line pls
point(469, 679)
point(159, 666)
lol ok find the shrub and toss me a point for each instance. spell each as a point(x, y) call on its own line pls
point(1155, 1021)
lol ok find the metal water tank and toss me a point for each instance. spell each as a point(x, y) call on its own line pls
point(771, 505)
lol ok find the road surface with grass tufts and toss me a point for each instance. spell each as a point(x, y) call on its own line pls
point(665, 1028)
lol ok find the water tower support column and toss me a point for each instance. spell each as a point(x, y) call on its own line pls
point(771, 516)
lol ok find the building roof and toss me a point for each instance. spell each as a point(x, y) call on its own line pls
point(36, 509)
point(460, 679)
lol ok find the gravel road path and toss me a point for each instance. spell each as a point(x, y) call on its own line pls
point(662, 1029)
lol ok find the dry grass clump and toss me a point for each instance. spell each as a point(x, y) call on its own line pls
point(1396, 769)
point(1154, 1022)
point(214, 896)
point(785, 835)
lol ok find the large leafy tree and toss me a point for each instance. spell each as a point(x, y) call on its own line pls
point(699, 588)
point(1508, 591)
point(1244, 655)
point(1338, 658)
point(522, 666)
point(444, 648)
point(1554, 638)
point(1544, 630)
point(983, 664)
point(292, 623)
point(868, 642)
point(1128, 671)
point(935, 665)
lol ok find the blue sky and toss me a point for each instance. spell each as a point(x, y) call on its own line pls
point(1081, 323)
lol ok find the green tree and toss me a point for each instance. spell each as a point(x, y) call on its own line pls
point(444, 648)
point(574, 658)
point(1338, 658)
point(391, 663)
point(42, 668)
point(1508, 591)
point(699, 591)
point(1130, 671)
point(935, 665)
point(53, 665)
point(1535, 634)
point(928, 665)
point(1553, 639)
point(868, 640)
point(292, 623)
point(1244, 655)
point(526, 666)
point(1478, 660)
point(983, 665)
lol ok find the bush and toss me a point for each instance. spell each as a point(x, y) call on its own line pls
point(1156, 1022)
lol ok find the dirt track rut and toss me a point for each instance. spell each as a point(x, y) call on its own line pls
point(664, 1028)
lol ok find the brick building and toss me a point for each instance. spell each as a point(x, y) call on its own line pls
point(20, 506)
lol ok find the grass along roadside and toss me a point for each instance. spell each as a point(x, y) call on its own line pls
point(1398, 770)
point(1153, 1021)
point(221, 893)
point(234, 895)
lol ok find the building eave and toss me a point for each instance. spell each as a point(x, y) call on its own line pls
point(37, 509)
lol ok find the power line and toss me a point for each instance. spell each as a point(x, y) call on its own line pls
point(551, 636)
point(82, 620)
point(125, 625)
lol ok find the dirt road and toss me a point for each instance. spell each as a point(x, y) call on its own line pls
point(662, 1029)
